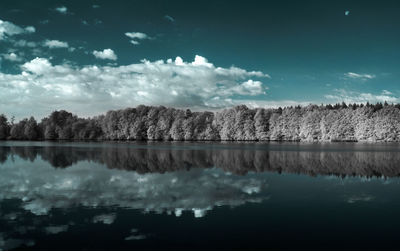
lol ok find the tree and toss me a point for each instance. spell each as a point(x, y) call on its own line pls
point(4, 127)
point(31, 129)
point(340, 122)
point(18, 129)
point(50, 132)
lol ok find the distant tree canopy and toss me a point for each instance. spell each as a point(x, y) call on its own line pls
point(339, 122)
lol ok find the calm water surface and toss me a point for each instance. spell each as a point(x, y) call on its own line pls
point(180, 195)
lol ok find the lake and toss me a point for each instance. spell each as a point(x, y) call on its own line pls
point(198, 195)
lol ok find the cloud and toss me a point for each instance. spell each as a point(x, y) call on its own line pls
point(250, 87)
point(196, 190)
point(105, 54)
point(386, 92)
point(169, 18)
point(93, 89)
point(95, 6)
point(138, 35)
point(12, 57)
point(342, 95)
point(55, 44)
point(89, 22)
point(135, 237)
point(360, 198)
point(254, 103)
point(8, 29)
point(352, 75)
point(62, 9)
point(347, 12)
point(12, 243)
point(24, 43)
point(104, 218)
point(30, 29)
point(135, 36)
point(37, 66)
point(56, 229)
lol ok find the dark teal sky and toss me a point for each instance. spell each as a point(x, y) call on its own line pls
point(311, 50)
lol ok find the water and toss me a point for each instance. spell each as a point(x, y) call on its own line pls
point(180, 195)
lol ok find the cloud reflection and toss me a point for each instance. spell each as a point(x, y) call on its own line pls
point(42, 188)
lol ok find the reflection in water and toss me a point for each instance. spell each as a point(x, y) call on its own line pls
point(88, 183)
point(8, 244)
point(43, 188)
point(34, 180)
point(237, 161)
point(104, 218)
point(56, 229)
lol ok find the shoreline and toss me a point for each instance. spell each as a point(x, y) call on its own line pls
point(194, 141)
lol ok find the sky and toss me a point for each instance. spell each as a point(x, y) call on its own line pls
point(89, 57)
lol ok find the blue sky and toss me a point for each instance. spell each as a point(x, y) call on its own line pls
point(92, 56)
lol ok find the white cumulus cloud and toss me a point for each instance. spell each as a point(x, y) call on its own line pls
point(55, 44)
point(90, 90)
point(30, 29)
point(250, 87)
point(62, 9)
point(8, 29)
point(37, 66)
point(135, 36)
point(12, 57)
point(138, 35)
point(105, 54)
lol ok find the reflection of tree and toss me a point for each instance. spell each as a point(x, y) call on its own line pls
point(26, 153)
point(238, 161)
point(4, 152)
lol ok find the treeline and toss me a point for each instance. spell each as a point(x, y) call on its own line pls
point(60, 125)
point(340, 122)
